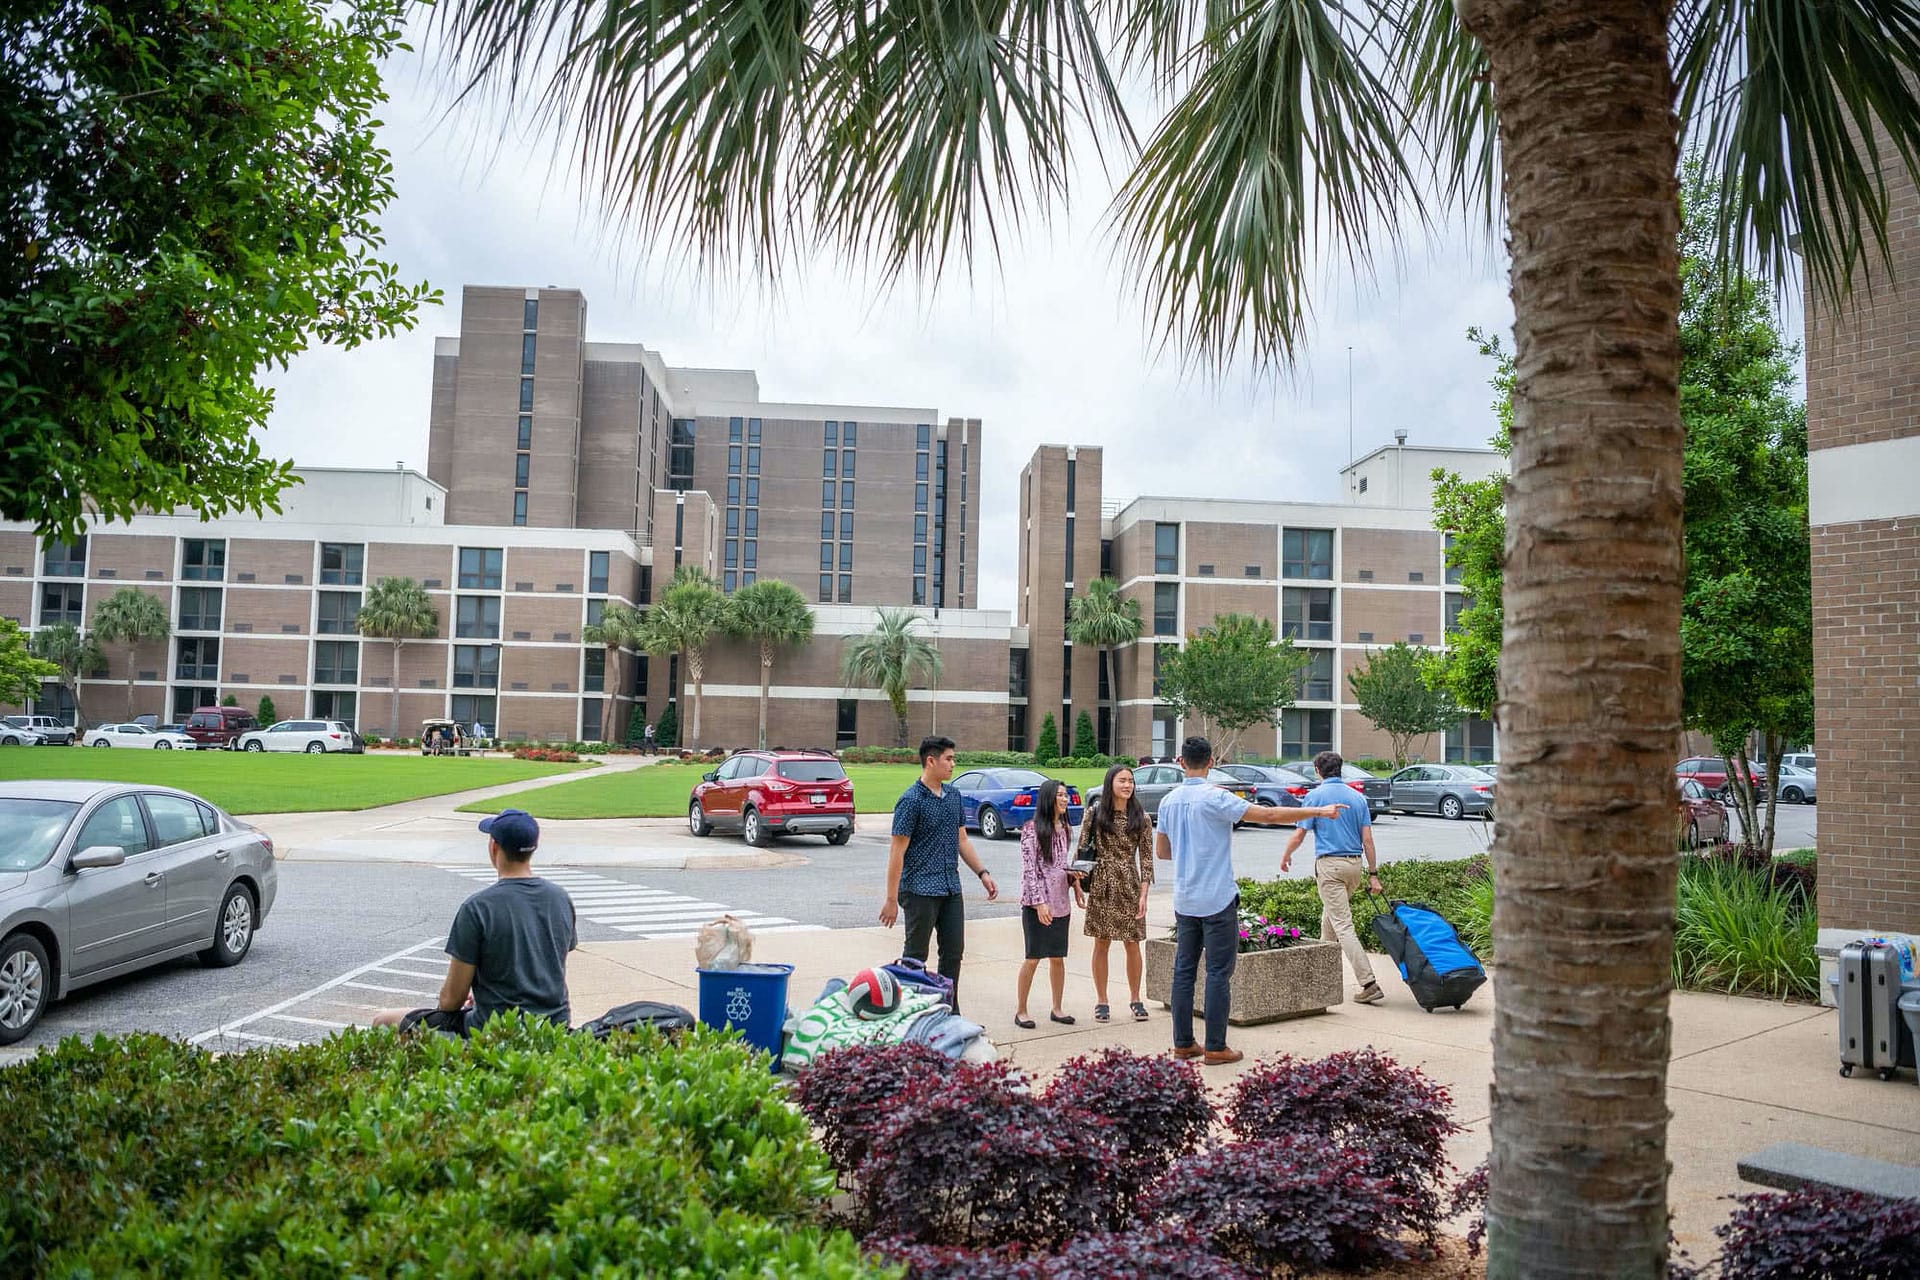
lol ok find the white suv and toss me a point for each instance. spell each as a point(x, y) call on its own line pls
point(50, 730)
point(311, 736)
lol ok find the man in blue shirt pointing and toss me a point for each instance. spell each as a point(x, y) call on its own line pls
point(1196, 822)
point(1339, 845)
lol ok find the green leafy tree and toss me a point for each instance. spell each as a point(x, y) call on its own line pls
point(1083, 743)
point(266, 713)
point(1473, 514)
point(1047, 748)
point(229, 701)
point(637, 724)
point(188, 198)
point(20, 672)
point(74, 654)
point(666, 733)
point(1102, 617)
point(890, 658)
point(620, 627)
point(1232, 674)
point(1393, 693)
point(773, 615)
point(683, 621)
point(130, 617)
point(1284, 133)
point(397, 610)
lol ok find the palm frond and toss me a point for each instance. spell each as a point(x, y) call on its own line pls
point(1800, 110)
point(1287, 139)
point(1442, 81)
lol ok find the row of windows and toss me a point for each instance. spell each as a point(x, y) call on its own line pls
point(842, 433)
point(523, 461)
point(752, 426)
point(841, 463)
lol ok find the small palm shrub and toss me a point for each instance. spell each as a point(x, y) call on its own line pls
point(1736, 931)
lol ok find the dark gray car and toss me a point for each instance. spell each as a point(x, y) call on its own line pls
point(1152, 783)
point(98, 879)
point(1450, 790)
point(1377, 790)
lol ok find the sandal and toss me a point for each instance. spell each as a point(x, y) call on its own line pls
point(1101, 1013)
point(1064, 1019)
point(1023, 1022)
point(1139, 1011)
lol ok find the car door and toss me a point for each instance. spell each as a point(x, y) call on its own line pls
point(116, 914)
point(277, 735)
point(1151, 786)
point(969, 785)
point(1421, 789)
point(194, 862)
point(723, 801)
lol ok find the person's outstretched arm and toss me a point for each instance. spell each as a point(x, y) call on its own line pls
point(1279, 816)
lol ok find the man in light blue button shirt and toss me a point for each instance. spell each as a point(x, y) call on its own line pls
point(1196, 824)
point(1339, 847)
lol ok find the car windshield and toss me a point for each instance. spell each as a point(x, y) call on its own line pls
point(1224, 778)
point(1471, 774)
point(30, 831)
point(811, 770)
point(1016, 778)
point(19, 722)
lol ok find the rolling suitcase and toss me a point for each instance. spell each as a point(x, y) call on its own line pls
point(1437, 966)
point(1872, 1034)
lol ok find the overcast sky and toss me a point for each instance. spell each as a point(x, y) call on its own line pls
point(1046, 347)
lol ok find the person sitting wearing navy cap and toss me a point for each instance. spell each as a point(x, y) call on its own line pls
point(509, 942)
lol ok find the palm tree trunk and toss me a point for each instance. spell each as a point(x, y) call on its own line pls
point(130, 649)
point(697, 668)
point(1589, 693)
point(393, 730)
point(766, 680)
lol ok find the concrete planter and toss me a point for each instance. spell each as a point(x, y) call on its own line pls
point(1267, 985)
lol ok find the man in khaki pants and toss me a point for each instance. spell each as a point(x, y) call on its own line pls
point(1339, 845)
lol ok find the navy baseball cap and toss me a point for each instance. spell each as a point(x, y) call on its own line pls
point(514, 830)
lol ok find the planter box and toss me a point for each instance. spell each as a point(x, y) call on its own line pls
point(1267, 985)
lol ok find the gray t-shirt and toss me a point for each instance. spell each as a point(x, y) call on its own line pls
point(516, 934)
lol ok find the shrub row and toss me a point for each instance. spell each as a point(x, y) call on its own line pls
point(964, 759)
point(528, 1151)
point(549, 755)
point(1457, 889)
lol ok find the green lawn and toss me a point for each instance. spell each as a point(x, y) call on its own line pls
point(242, 783)
point(661, 791)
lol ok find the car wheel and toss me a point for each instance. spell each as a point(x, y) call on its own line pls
point(9, 741)
point(232, 928)
point(1451, 808)
point(697, 820)
point(753, 827)
point(163, 746)
point(103, 743)
point(316, 748)
point(24, 983)
point(991, 827)
point(256, 745)
point(839, 837)
point(1693, 834)
point(1794, 795)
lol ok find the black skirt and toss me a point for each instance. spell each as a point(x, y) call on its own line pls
point(1044, 941)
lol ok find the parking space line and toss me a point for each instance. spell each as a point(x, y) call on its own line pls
point(310, 1022)
point(233, 1027)
point(398, 991)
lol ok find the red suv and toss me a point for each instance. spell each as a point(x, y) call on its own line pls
point(1711, 773)
point(771, 793)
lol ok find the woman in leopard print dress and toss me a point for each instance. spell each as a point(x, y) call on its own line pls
point(1120, 839)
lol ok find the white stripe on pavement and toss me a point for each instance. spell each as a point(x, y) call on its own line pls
point(399, 991)
point(310, 1022)
point(315, 991)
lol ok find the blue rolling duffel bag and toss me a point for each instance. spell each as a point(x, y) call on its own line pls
point(1437, 966)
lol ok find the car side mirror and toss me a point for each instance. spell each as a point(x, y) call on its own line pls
point(712, 775)
point(99, 855)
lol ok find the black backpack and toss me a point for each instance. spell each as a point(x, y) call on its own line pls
point(667, 1018)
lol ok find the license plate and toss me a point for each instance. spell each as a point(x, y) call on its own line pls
point(818, 798)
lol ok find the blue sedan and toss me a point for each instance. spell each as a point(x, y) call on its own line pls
point(998, 802)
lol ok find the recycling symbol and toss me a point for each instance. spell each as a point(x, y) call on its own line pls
point(739, 1005)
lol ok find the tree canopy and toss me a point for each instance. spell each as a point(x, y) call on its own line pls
point(20, 671)
point(1394, 694)
point(1233, 674)
point(188, 195)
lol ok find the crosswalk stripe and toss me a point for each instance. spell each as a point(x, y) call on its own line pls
point(791, 927)
point(621, 895)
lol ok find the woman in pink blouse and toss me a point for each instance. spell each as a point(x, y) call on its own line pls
point(1046, 896)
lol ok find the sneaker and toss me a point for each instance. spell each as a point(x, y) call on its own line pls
point(1221, 1057)
point(1186, 1052)
point(1370, 994)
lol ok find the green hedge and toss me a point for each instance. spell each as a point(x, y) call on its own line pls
point(1444, 886)
point(531, 1150)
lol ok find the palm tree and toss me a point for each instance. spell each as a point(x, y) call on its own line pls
point(75, 653)
point(619, 628)
point(772, 613)
point(759, 132)
point(131, 617)
point(397, 610)
point(1102, 617)
point(891, 657)
point(682, 622)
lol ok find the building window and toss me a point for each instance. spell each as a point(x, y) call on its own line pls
point(65, 559)
point(752, 523)
point(1165, 732)
point(1306, 613)
point(922, 436)
point(526, 395)
point(753, 491)
point(826, 524)
point(1160, 652)
point(477, 618)
point(920, 466)
point(919, 497)
point(1017, 727)
point(733, 459)
point(199, 609)
point(57, 702)
point(919, 559)
point(525, 438)
point(919, 528)
point(1416, 575)
point(203, 559)
point(1166, 548)
point(592, 727)
point(680, 456)
point(475, 708)
point(530, 316)
point(846, 722)
point(846, 589)
point(732, 580)
point(826, 588)
point(335, 704)
point(1457, 603)
point(846, 555)
point(1416, 637)
point(1016, 673)
point(61, 602)
point(849, 434)
point(1363, 484)
point(1166, 609)
point(336, 662)
point(1071, 467)
point(520, 507)
point(1069, 548)
point(1453, 570)
point(1305, 732)
point(197, 659)
point(1252, 571)
point(733, 522)
point(480, 568)
point(1206, 571)
point(476, 666)
point(753, 460)
point(526, 354)
point(1106, 557)
point(919, 590)
point(846, 493)
point(341, 563)
point(733, 554)
point(521, 462)
point(826, 555)
point(598, 565)
point(1306, 553)
point(1314, 683)
point(827, 490)
point(734, 428)
point(1470, 742)
point(596, 612)
point(846, 524)
point(750, 553)
point(753, 431)
point(593, 677)
point(833, 433)
point(733, 489)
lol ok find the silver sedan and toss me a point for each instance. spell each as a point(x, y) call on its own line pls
point(98, 879)
point(1797, 785)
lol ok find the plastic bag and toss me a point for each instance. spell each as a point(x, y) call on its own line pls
point(725, 943)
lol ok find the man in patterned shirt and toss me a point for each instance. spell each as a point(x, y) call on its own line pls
point(923, 864)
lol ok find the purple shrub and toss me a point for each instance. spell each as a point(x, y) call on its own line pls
point(1292, 1203)
point(850, 1092)
point(1145, 1254)
point(1158, 1107)
point(941, 1262)
point(1470, 1193)
point(1821, 1235)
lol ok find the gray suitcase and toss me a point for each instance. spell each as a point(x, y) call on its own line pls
point(1872, 1034)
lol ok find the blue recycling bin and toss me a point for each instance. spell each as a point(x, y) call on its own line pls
point(751, 1000)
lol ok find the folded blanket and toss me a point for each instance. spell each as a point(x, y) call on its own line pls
point(832, 1024)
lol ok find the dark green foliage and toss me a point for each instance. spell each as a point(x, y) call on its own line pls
point(666, 730)
point(529, 1151)
point(1047, 748)
point(637, 724)
point(1085, 742)
point(1444, 886)
point(229, 701)
point(267, 713)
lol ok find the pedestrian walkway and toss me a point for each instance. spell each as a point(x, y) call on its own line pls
point(651, 914)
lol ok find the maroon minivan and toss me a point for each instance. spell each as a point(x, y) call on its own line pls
point(215, 728)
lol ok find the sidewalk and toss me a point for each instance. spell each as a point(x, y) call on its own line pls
point(1745, 1073)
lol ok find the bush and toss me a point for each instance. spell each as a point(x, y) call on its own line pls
point(666, 730)
point(1085, 741)
point(1158, 1108)
point(1374, 764)
point(1088, 762)
point(1472, 917)
point(1291, 1204)
point(1821, 1233)
point(1141, 1254)
point(1735, 931)
point(547, 755)
point(1447, 887)
point(1046, 749)
point(229, 701)
point(529, 1150)
point(849, 1093)
point(266, 714)
point(979, 1160)
point(961, 759)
